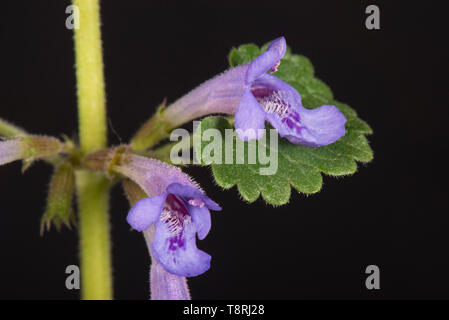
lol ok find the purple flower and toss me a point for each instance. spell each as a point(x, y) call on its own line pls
point(255, 97)
point(174, 212)
point(266, 98)
point(178, 214)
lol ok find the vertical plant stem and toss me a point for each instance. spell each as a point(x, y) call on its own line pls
point(96, 273)
point(90, 79)
point(92, 188)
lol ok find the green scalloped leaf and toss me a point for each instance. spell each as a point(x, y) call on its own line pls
point(298, 166)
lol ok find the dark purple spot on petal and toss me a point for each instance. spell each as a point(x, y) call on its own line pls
point(290, 123)
point(291, 119)
point(176, 243)
point(175, 215)
point(275, 102)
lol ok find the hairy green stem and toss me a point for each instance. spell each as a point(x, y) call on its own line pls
point(90, 78)
point(152, 131)
point(92, 188)
point(93, 199)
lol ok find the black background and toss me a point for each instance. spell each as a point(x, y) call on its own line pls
point(392, 213)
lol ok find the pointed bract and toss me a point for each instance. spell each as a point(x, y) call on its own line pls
point(59, 209)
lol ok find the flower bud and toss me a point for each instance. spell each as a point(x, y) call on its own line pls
point(29, 148)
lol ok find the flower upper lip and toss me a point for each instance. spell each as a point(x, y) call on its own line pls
point(267, 60)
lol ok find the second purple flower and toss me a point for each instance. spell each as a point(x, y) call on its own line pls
point(179, 214)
